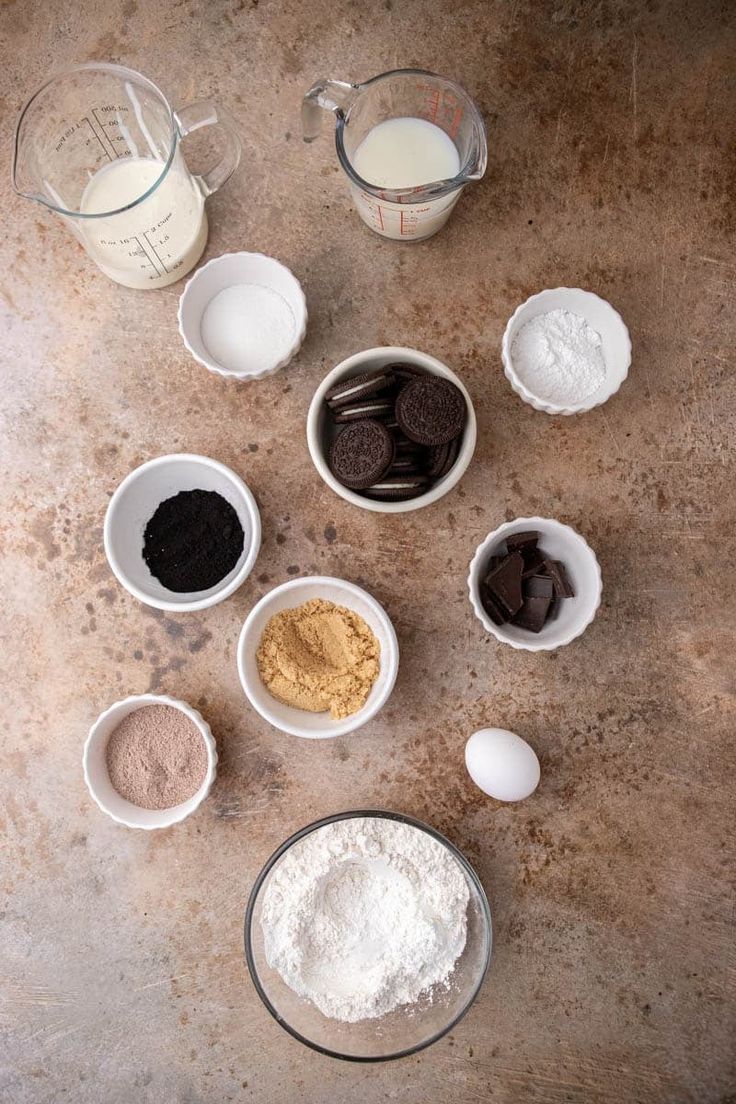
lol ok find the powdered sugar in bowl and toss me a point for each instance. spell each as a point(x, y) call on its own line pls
point(369, 983)
point(590, 335)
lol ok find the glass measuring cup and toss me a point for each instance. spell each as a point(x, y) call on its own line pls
point(409, 213)
point(100, 145)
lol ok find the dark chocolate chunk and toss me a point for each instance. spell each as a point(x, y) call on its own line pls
point(504, 583)
point(533, 561)
point(518, 542)
point(538, 586)
point(491, 607)
point(493, 563)
point(554, 609)
point(558, 574)
point(532, 615)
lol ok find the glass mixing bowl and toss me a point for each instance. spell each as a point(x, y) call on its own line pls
point(399, 1033)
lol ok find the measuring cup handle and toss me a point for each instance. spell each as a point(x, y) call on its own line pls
point(206, 113)
point(325, 95)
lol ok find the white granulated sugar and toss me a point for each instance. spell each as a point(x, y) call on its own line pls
point(248, 328)
point(364, 915)
point(558, 356)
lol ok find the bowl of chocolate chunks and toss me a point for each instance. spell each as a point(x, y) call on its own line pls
point(535, 584)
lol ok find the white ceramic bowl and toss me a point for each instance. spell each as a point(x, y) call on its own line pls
point(98, 780)
point(601, 316)
point(320, 432)
point(298, 722)
point(252, 270)
point(134, 503)
point(575, 614)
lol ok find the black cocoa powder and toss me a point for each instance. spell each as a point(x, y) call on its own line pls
point(192, 541)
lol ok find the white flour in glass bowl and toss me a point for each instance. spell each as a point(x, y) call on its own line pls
point(364, 915)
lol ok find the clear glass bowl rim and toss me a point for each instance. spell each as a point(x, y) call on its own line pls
point(383, 814)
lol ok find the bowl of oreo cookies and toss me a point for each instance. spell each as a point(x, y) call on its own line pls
point(391, 429)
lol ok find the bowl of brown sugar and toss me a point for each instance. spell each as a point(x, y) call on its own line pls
point(318, 657)
point(149, 761)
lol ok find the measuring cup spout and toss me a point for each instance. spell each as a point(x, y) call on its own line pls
point(476, 167)
point(25, 177)
point(325, 95)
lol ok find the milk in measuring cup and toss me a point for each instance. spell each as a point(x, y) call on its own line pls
point(160, 238)
point(405, 153)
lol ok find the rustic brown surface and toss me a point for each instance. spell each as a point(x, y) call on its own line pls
point(611, 167)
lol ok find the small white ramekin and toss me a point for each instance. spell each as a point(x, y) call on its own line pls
point(226, 271)
point(298, 722)
point(600, 315)
point(134, 503)
point(562, 543)
point(319, 431)
point(98, 781)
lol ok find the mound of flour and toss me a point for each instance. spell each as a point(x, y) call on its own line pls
point(364, 915)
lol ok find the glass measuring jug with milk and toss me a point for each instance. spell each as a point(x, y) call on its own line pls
point(409, 141)
point(100, 145)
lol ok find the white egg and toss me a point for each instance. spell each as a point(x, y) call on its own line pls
point(502, 764)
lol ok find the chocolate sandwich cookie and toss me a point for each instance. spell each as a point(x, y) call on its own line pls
point(382, 408)
point(441, 458)
point(361, 454)
point(431, 410)
point(404, 445)
point(406, 464)
point(405, 372)
point(358, 388)
point(398, 488)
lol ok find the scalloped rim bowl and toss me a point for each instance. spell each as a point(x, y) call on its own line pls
point(562, 543)
point(599, 314)
point(223, 272)
point(371, 360)
point(97, 779)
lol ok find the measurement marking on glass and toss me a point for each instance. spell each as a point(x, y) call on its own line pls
point(380, 216)
point(102, 128)
point(435, 104)
point(154, 250)
point(89, 124)
point(145, 254)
